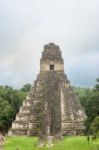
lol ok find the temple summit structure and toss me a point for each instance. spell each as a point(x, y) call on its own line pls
point(51, 108)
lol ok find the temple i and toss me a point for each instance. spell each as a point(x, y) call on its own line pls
point(51, 108)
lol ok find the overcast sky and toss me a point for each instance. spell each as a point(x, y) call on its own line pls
point(26, 25)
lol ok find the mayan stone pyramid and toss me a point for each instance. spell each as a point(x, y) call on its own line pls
point(51, 107)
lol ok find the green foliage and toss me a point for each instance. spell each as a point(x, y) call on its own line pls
point(10, 102)
point(6, 114)
point(26, 88)
point(69, 143)
point(97, 85)
point(92, 108)
point(95, 125)
point(89, 99)
point(83, 94)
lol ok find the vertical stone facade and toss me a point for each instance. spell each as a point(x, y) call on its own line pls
point(51, 107)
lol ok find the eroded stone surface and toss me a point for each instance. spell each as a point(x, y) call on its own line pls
point(51, 108)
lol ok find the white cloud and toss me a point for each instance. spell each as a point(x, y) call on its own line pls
point(26, 26)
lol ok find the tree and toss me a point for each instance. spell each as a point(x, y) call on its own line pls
point(95, 125)
point(6, 114)
point(97, 85)
point(92, 107)
point(83, 94)
point(12, 96)
point(26, 88)
point(10, 102)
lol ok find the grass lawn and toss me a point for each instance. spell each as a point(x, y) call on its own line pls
point(69, 143)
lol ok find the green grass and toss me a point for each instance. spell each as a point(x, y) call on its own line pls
point(69, 143)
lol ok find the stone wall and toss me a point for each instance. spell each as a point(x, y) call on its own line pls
point(46, 66)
